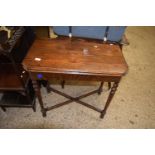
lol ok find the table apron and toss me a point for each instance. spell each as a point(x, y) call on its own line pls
point(78, 77)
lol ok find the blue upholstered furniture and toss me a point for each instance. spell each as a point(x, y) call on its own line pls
point(115, 33)
point(110, 33)
point(61, 30)
point(95, 32)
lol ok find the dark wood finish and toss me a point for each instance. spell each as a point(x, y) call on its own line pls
point(3, 36)
point(14, 80)
point(109, 85)
point(3, 109)
point(100, 88)
point(21, 99)
point(111, 95)
point(78, 59)
point(80, 77)
point(75, 99)
point(75, 57)
point(38, 94)
point(63, 84)
point(9, 79)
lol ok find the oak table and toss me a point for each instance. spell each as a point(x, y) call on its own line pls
point(76, 59)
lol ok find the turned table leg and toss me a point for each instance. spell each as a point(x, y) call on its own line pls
point(63, 84)
point(109, 85)
point(38, 94)
point(111, 95)
point(48, 87)
point(100, 88)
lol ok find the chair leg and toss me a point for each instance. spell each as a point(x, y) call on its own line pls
point(63, 84)
point(4, 109)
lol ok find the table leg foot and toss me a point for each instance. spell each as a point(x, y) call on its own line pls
point(43, 113)
point(102, 114)
point(63, 84)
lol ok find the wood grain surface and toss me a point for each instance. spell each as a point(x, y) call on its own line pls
point(75, 56)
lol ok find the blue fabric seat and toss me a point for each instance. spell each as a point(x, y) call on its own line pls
point(115, 33)
point(94, 32)
point(112, 33)
point(61, 30)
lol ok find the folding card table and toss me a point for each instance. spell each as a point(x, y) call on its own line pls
point(75, 59)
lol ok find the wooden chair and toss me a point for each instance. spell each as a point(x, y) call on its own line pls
point(15, 83)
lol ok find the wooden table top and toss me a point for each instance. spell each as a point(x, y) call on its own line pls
point(76, 56)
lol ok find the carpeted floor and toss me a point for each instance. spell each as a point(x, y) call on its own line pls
point(132, 107)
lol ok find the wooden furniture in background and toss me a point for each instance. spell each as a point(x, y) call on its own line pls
point(78, 59)
point(15, 83)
